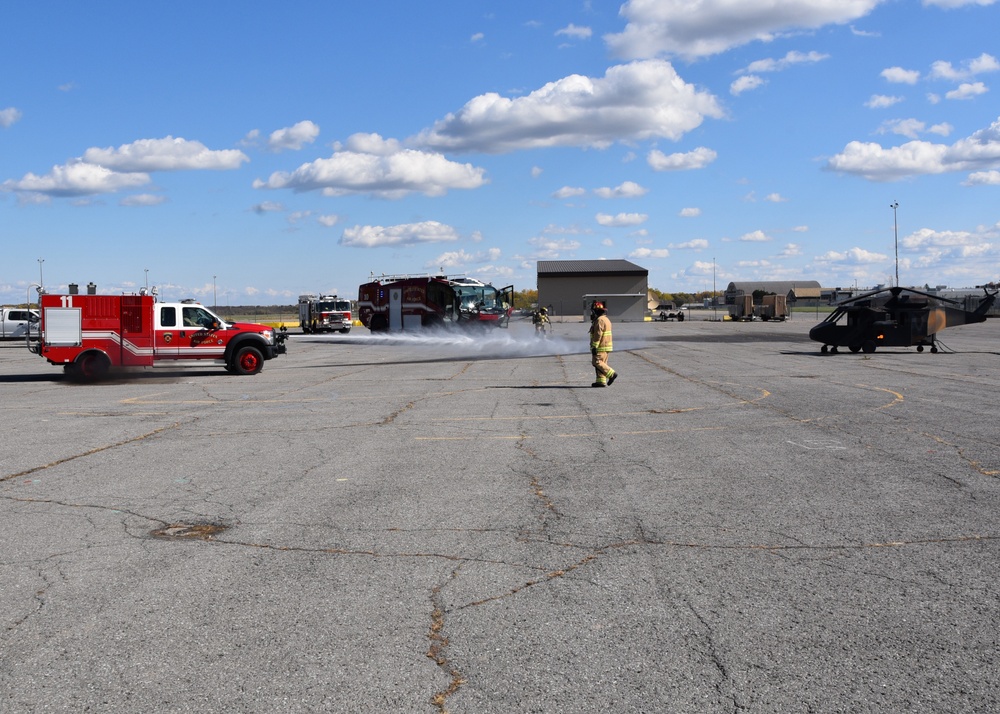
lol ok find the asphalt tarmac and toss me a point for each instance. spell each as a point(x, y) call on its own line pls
point(394, 524)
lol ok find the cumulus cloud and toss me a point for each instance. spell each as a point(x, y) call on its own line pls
point(745, 83)
point(882, 101)
point(627, 189)
point(697, 29)
point(649, 253)
point(404, 234)
point(640, 100)
point(167, 154)
point(967, 90)
point(569, 192)
point(695, 244)
point(949, 4)
point(852, 256)
point(551, 248)
point(696, 159)
point(757, 236)
point(76, 179)
point(898, 75)
point(970, 68)
point(983, 178)
point(293, 137)
point(267, 207)
point(621, 219)
point(369, 164)
point(912, 128)
point(980, 151)
point(689, 212)
point(9, 116)
point(775, 198)
point(461, 258)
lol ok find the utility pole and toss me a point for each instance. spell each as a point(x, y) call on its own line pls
point(895, 236)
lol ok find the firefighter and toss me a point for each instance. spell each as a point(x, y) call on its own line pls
point(600, 345)
point(541, 320)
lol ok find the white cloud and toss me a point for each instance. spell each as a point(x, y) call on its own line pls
point(689, 212)
point(967, 90)
point(293, 137)
point(852, 256)
point(460, 258)
point(143, 199)
point(536, 171)
point(912, 128)
point(790, 59)
point(641, 100)
point(695, 244)
point(649, 253)
point(627, 189)
point(898, 75)
point(745, 83)
point(697, 159)
point(983, 178)
point(791, 250)
point(569, 192)
point(775, 198)
point(9, 116)
point(381, 168)
point(477, 37)
point(76, 179)
point(404, 234)
point(696, 29)
point(571, 30)
point(551, 248)
point(757, 236)
point(621, 219)
point(167, 154)
point(328, 219)
point(980, 151)
point(949, 4)
point(881, 101)
point(970, 68)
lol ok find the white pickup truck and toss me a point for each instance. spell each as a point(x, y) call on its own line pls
point(16, 322)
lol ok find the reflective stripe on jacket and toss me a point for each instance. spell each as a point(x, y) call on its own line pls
point(600, 334)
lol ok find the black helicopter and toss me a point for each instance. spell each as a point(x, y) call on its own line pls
point(894, 317)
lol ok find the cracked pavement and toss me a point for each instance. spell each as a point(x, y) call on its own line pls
point(739, 524)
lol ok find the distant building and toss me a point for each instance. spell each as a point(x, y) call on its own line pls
point(567, 287)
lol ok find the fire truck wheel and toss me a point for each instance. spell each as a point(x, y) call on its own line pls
point(92, 365)
point(248, 360)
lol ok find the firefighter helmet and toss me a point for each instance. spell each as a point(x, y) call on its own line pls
point(598, 305)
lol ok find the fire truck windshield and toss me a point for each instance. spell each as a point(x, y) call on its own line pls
point(334, 305)
point(472, 297)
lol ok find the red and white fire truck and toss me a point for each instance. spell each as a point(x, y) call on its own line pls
point(324, 313)
point(89, 334)
point(407, 302)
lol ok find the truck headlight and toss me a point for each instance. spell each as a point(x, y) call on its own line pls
point(268, 335)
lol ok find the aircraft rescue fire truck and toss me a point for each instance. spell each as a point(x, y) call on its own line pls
point(89, 334)
point(406, 302)
point(324, 313)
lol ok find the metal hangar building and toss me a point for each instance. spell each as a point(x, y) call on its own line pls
point(567, 287)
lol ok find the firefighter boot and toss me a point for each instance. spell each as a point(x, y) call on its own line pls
point(612, 377)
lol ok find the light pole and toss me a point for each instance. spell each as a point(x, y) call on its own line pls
point(715, 305)
point(895, 237)
point(215, 294)
point(41, 281)
point(147, 279)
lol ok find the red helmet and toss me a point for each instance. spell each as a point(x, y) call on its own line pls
point(598, 305)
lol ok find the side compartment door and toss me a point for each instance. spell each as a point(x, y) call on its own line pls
point(395, 309)
point(507, 302)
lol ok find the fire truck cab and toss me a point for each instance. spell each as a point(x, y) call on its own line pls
point(89, 334)
point(324, 313)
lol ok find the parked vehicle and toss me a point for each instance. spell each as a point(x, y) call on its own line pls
point(18, 322)
point(407, 302)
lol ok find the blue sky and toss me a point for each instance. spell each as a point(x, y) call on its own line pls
point(257, 150)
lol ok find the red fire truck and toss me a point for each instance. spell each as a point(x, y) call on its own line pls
point(324, 313)
point(89, 334)
point(407, 302)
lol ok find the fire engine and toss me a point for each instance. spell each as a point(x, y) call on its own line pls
point(405, 302)
point(89, 334)
point(324, 313)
